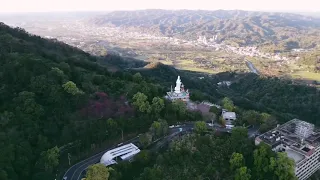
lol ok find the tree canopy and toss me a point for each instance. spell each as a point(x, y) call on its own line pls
point(97, 172)
point(200, 126)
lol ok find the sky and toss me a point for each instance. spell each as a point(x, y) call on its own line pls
point(111, 5)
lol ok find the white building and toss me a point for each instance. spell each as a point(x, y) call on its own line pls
point(125, 152)
point(224, 83)
point(179, 92)
point(229, 117)
point(300, 140)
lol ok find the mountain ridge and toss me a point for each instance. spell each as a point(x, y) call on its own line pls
point(242, 27)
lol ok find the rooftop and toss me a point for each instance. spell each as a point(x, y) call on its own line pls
point(297, 138)
point(181, 94)
point(229, 115)
point(125, 152)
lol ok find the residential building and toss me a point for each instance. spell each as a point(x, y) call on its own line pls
point(229, 117)
point(300, 140)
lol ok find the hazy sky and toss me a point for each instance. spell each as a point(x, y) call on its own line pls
point(102, 5)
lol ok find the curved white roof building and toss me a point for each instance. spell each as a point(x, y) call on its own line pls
point(124, 152)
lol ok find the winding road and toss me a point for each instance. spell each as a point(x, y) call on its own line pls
point(76, 171)
point(252, 68)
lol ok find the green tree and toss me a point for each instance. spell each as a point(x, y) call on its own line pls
point(50, 158)
point(282, 167)
point(71, 88)
point(143, 158)
point(268, 122)
point(221, 121)
point(5, 118)
point(236, 161)
point(137, 77)
point(3, 175)
point(27, 107)
point(97, 172)
point(155, 129)
point(227, 104)
point(159, 128)
point(265, 117)
point(200, 126)
point(197, 95)
point(152, 174)
point(57, 74)
point(39, 84)
point(145, 139)
point(157, 105)
point(164, 127)
point(140, 101)
point(251, 117)
point(239, 133)
point(179, 107)
point(261, 161)
point(112, 127)
point(210, 116)
point(43, 176)
point(242, 173)
point(240, 142)
point(215, 110)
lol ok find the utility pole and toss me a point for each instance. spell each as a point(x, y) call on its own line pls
point(69, 158)
point(122, 134)
point(212, 123)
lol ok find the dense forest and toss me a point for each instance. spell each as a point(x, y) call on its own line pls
point(56, 100)
point(281, 96)
point(202, 155)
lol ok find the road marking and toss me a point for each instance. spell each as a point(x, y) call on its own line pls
point(88, 159)
point(88, 164)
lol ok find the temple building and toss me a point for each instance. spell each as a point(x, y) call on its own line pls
point(179, 92)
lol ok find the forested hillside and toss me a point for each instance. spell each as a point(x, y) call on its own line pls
point(281, 96)
point(53, 96)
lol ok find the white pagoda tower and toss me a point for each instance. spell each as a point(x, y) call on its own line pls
point(179, 92)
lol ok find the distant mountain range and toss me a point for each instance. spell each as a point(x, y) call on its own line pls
point(282, 31)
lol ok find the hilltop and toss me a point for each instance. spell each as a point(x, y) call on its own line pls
point(54, 99)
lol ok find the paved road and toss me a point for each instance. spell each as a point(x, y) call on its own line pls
point(77, 170)
point(74, 173)
point(253, 131)
point(252, 68)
